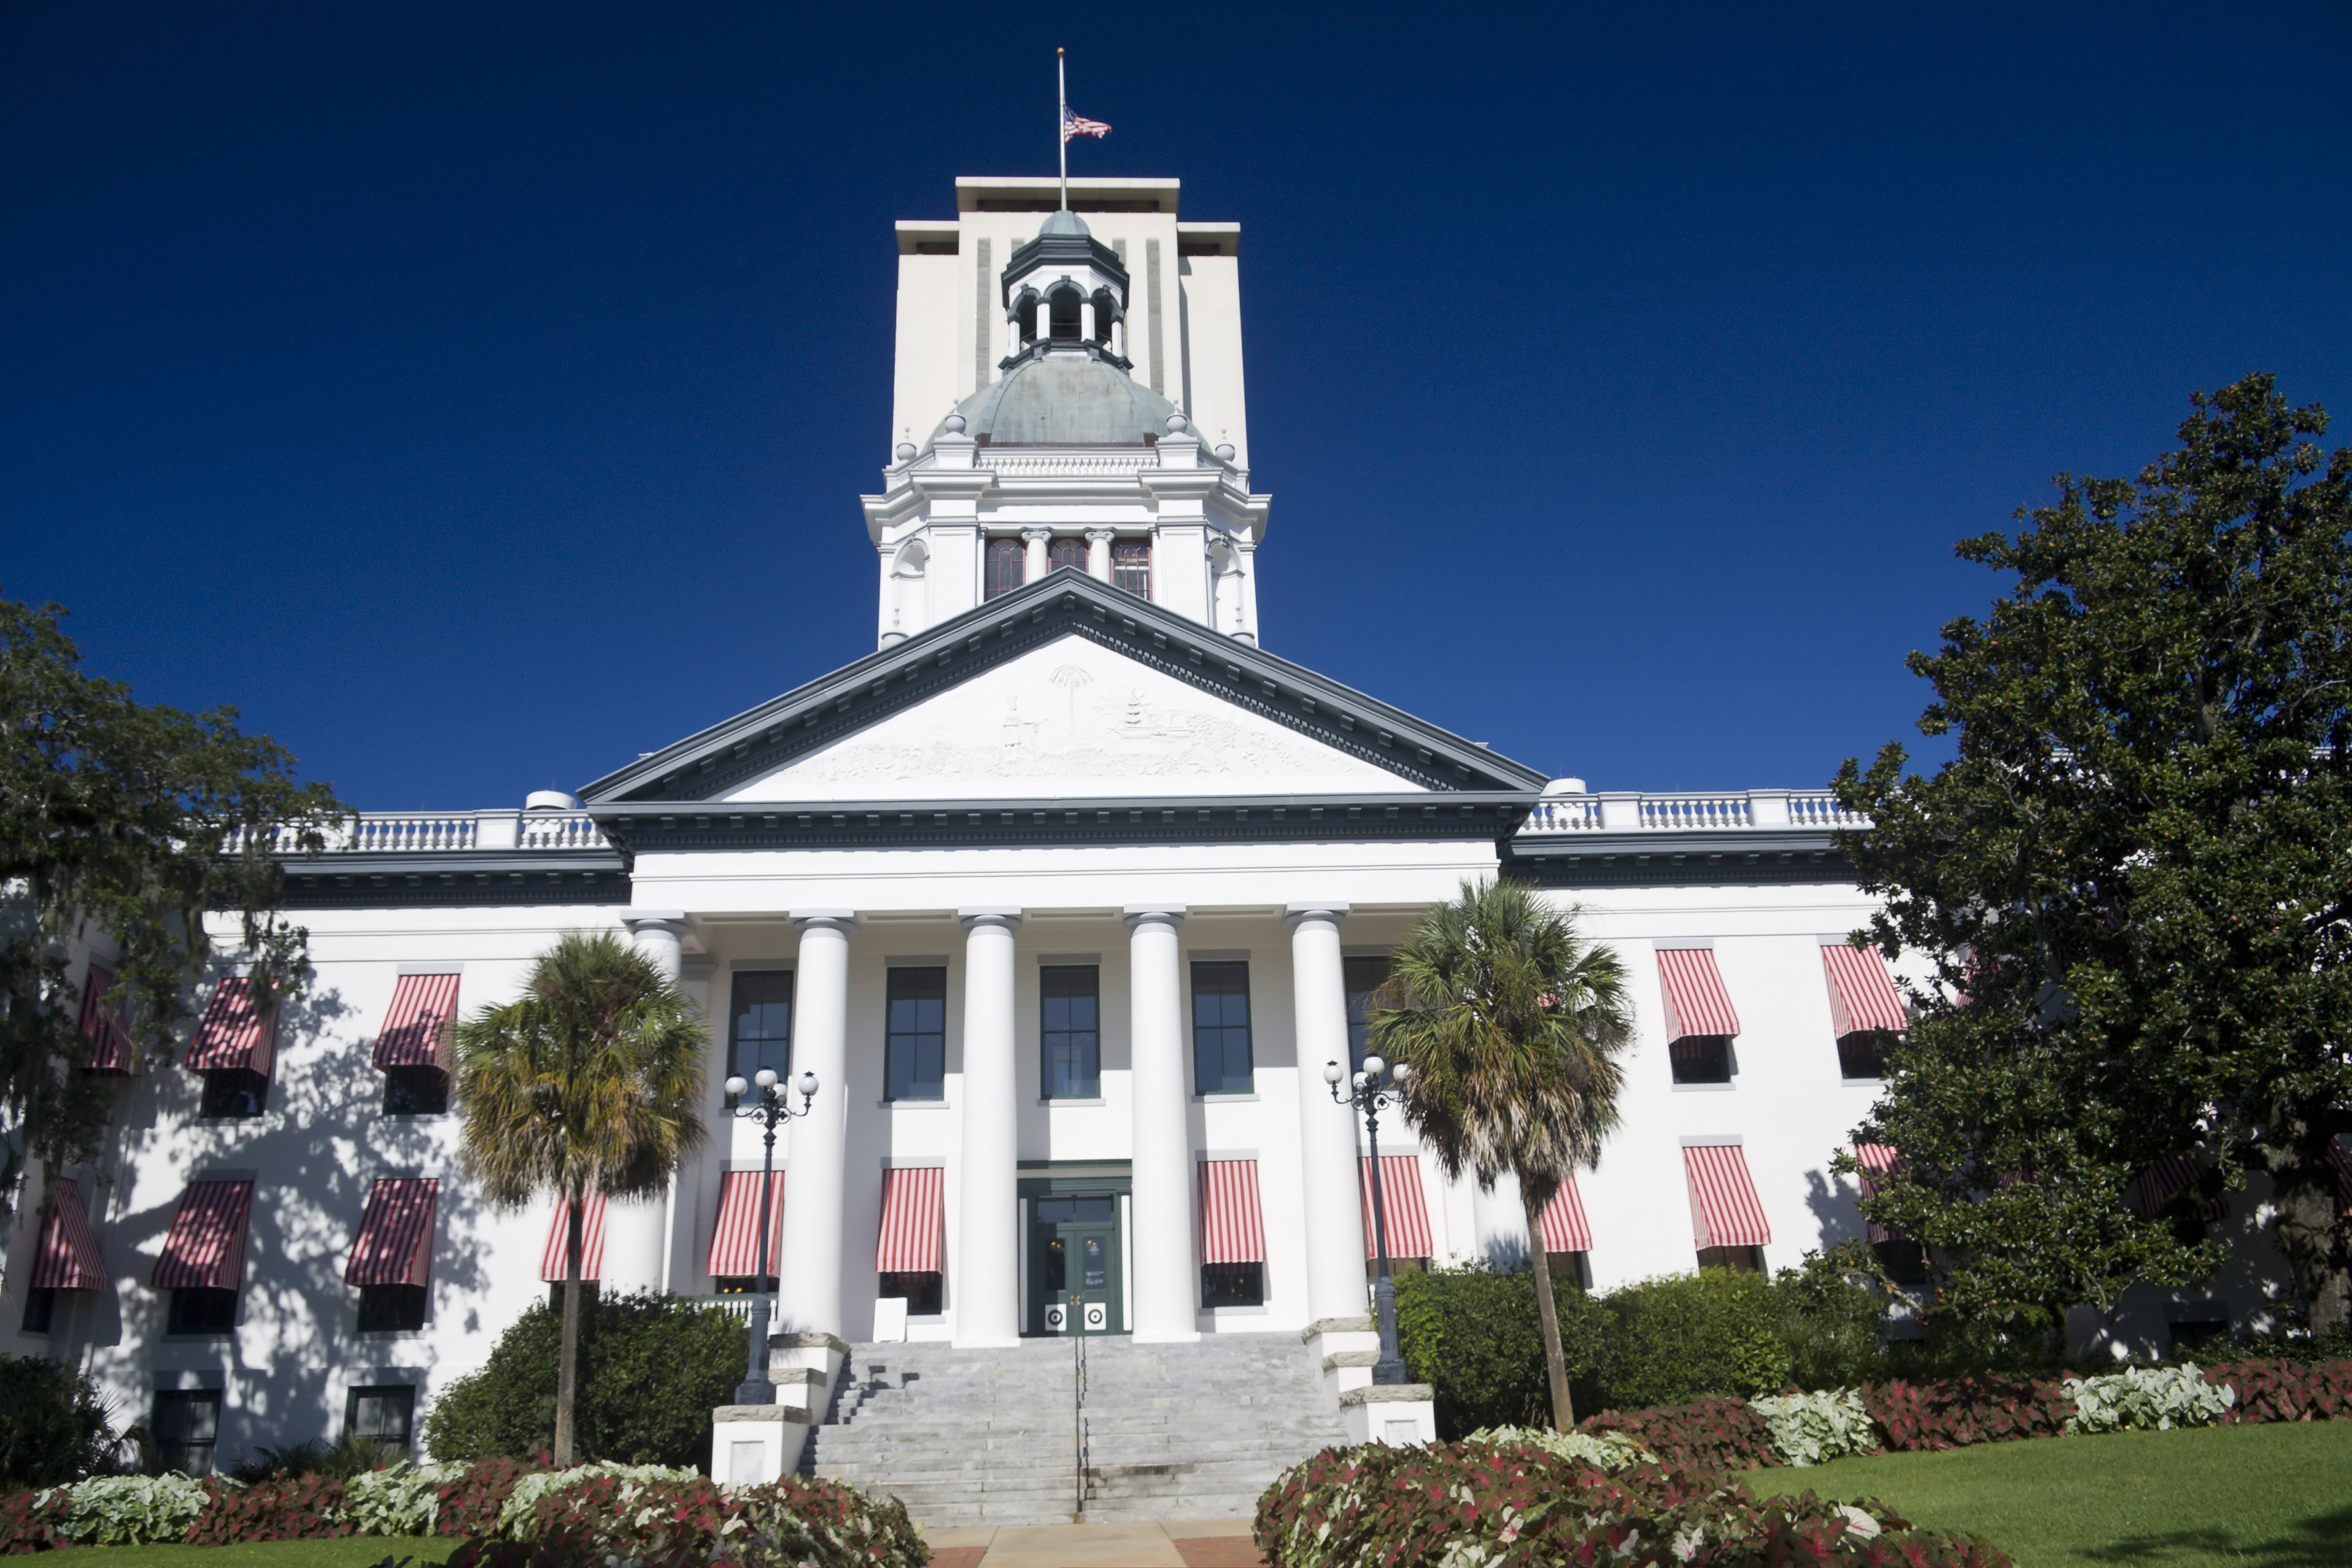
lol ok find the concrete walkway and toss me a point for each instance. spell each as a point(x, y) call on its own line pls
point(1175, 1543)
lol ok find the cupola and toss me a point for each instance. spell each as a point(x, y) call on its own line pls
point(1065, 292)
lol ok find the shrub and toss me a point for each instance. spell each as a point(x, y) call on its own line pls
point(53, 1425)
point(1679, 1336)
point(522, 1515)
point(400, 1499)
point(651, 1367)
point(1830, 1311)
point(1518, 1504)
point(1824, 1425)
point(352, 1455)
point(1473, 1335)
point(35, 1521)
point(1960, 1411)
point(1601, 1450)
point(673, 1522)
point(1707, 1434)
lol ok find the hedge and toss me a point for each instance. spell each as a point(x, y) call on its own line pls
point(1503, 1505)
point(509, 1514)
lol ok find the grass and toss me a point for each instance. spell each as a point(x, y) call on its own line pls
point(351, 1551)
point(2250, 1497)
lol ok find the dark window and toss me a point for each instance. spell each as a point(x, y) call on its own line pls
point(1076, 1211)
point(415, 1092)
point(384, 1414)
point(1071, 1032)
point(922, 1291)
point(1005, 566)
point(1232, 1284)
point(201, 1312)
point(1738, 1260)
point(915, 1053)
point(234, 1092)
point(1063, 304)
point(1362, 977)
point(185, 1422)
point(1905, 1261)
point(40, 1309)
point(2201, 1334)
point(1130, 566)
point(392, 1309)
point(1066, 552)
point(1221, 1029)
point(761, 1033)
point(736, 1284)
point(935, 248)
point(1701, 1059)
point(1858, 1054)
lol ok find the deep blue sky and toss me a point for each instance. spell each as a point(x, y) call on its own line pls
point(479, 396)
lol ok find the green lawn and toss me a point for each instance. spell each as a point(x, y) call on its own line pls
point(352, 1552)
point(2251, 1497)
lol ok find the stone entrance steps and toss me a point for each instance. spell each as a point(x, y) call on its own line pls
point(987, 1436)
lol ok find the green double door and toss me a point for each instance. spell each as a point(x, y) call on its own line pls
point(1073, 1252)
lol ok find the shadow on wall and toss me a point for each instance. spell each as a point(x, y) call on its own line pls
point(315, 1151)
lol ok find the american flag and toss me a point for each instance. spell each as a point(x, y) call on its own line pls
point(1079, 125)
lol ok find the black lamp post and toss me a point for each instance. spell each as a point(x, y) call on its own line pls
point(1374, 1089)
point(768, 1109)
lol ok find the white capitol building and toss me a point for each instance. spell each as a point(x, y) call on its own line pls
point(1066, 892)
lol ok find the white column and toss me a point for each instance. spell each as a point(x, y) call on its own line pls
point(1085, 320)
point(1167, 1284)
point(987, 1261)
point(1118, 335)
point(1330, 1185)
point(1034, 566)
point(808, 1287)
point(636, 1231)
point(1099, 553)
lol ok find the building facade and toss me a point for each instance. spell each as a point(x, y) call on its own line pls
point(1068, 892)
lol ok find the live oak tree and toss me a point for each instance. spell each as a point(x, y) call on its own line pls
point(135, 822)
point(2134, 878)
point(1513, 1026)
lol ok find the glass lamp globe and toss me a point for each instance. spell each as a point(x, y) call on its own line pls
point(1331, 1073)
point(736, 1086)
point(1373, 1065)
point(1400, 1073)
point(808, 1085)
point(765, 1078)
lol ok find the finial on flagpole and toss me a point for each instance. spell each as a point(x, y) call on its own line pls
point(1062, 119)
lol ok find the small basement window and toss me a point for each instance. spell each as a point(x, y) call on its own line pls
point(186, 1421)
point(923, 1291)
point(1232, 1284)
point(383, 1413)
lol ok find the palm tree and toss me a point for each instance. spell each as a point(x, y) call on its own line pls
point(586, 1083)
point(1512, 1025)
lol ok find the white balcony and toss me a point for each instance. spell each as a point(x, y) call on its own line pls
point(1632, 811)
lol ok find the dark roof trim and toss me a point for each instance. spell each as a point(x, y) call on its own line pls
point(456, 877)
point(1735, 858)
point(727, 755)
point(1481, 816)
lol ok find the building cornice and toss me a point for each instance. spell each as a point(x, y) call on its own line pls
point(1694, 857)
point(456, 877)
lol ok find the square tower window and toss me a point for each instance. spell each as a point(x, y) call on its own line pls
point(1130, 566)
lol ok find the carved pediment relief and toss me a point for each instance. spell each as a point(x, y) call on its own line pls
point(1076, 719)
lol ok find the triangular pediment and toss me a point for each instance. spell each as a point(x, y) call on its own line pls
point(1065, 688)
point(1072, 719)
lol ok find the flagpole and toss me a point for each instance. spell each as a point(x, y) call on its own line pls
point(1062, 122)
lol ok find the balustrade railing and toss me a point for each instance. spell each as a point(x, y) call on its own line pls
point(413, 833)
point(1075, 463)
point(429, 833)
point(549, 831)
point(1632, 812)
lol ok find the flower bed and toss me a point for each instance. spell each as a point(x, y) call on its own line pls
point(1502, 1504)
point(512, 1515)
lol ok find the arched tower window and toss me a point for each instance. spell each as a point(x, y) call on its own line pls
point(1004, 563)
point(1130, 566)
point(1064, 303)
point(1067, 552)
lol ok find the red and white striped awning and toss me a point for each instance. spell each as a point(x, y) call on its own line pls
point(394, 1246)
point(735, 1241)
point(235, 1034)
point(1725, 1210)
point(1877, 1159)
point(1862, 993)
point(913, 1222)
point(1564, 1229)
point(416, 1025)
point(1407, 1210)
point(1231, 1230)
point(1696, 1002)
point(102, 1026)
point(69, 1258)
point(592, 1240)
point(205, 1248)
